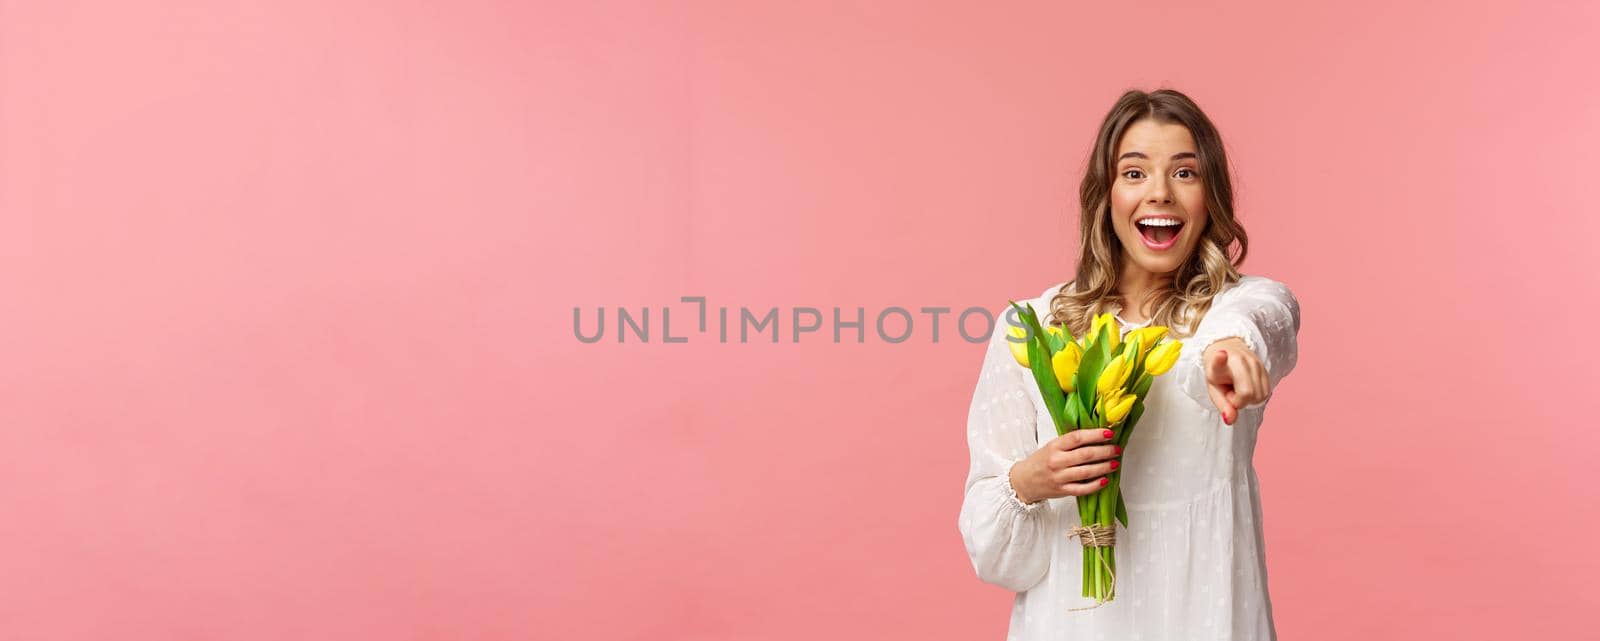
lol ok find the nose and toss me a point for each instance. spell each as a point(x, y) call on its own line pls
point(1159, 194)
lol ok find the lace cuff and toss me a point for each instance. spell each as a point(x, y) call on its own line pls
point(1244, 336)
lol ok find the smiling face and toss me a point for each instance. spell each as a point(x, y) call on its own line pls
point(1157, 179)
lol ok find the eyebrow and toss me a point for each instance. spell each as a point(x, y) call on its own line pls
point(1177, 156)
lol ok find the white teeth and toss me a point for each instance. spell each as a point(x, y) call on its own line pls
point(1160, 222)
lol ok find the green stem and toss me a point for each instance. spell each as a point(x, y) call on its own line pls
point(1111, 593)
point(1103, 510)
point(1099, 574)
point(1092, 501)
point(1087, 588)
point(1086, 513)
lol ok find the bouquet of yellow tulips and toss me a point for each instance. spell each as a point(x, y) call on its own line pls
point(1086, 384)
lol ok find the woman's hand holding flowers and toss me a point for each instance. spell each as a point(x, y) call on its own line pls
point(1074, 464)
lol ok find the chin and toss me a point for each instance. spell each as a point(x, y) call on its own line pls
point(1162, 265)
point(1160, 268)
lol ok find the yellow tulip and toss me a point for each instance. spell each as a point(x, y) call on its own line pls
point(1099, 322)
point(1132, 349)
point(1108, 400)
point(1019, 350)
point(1114, 375)
point(1076, 349)
point(1065, 364)
point(1119, 407)
point(1148, 337)
point(1109, 321)
point(1102, 400)
point(1162, 358)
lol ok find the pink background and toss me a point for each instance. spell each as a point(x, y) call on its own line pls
point(287, 296)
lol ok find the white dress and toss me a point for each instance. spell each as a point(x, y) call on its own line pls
point(1191, 566)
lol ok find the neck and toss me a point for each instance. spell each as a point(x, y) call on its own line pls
point(1135, 285)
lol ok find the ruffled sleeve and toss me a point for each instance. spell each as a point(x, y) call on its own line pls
point(1008, 542)
point(1262, 312)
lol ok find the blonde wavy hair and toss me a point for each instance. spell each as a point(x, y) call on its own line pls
point(1214, 263)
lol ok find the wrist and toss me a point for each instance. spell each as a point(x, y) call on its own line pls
point(1016, 490)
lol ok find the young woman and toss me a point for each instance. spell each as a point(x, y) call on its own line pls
point(1157, 239)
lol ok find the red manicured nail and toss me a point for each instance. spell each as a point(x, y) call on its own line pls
point(1115, 465)
point(1104, 480)
point(1118, 448)
point(1108, 433)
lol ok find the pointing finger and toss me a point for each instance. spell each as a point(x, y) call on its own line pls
point(1220, 399)
point(1243, 382)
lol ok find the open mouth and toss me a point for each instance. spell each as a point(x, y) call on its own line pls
point(1159, 233)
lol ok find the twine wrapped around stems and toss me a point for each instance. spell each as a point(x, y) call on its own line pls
point(1097, 536)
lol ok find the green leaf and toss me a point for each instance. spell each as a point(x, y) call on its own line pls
point(1067, 332)
point(1138, 361)
point(1057, 343)
point(1039, 362)
point(1094, 361)
point(1122, 514)
point(1129, 423)
point(1142, 387)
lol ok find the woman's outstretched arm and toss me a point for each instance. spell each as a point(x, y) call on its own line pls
point(1261, 314)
